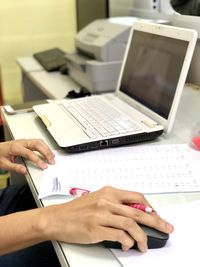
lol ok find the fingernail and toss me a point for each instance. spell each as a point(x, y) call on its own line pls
point(142, 247)
point(125, 248)
point(23, 170)
point(52, 161)
point(44, 165)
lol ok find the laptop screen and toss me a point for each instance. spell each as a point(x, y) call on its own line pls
point(152, 70)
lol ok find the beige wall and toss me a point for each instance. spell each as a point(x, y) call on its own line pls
point(30, 26)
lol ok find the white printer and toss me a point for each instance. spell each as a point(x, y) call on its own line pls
point(100, 48)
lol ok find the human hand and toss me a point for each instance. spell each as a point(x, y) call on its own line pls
point(100, 216)
point(25, 148)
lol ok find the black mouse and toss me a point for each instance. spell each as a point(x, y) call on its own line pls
point(155, 239)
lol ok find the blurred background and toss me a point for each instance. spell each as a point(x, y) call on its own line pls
point(27, 27)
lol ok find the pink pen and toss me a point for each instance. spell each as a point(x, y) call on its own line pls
point(142, 207)
point(78, 192)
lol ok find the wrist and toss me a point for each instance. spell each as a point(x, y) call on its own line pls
point(47, 225)
point(40, 225)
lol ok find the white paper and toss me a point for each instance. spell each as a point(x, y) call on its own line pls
point(145, 168)
point(183, 246)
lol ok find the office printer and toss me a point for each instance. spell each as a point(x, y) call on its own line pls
point(100, 48)
point(99, 52)
point(168, 10)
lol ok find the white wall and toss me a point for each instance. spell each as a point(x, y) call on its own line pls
point(120, 7)
point(30, 26)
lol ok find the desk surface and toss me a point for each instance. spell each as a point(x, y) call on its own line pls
point(29, 64)
point(96, 255)
point(53, 84)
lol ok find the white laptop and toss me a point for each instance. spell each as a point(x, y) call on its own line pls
point(144, 103)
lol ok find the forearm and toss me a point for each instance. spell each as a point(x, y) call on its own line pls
point(22, 229)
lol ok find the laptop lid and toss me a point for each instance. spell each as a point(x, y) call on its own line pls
point(155, 68)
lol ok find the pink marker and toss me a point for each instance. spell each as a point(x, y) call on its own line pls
point(142, 207)
point(78, 192)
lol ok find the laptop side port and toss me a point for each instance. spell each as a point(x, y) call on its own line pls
point(115, 141)
point(104, 143)
point(83, 148)
point(94, 146)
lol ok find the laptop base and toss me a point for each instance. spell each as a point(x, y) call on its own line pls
point(114, 142)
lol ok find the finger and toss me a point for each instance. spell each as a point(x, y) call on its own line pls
point(11, 166)
point(42, 148)
point(152, 220)
point(121, 217)
point(30, 155)
point(129, 226)
point(125, 196)
point(116, 235)
point(134, 197)
point(158, 223)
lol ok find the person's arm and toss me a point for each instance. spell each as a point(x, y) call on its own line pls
point(25, 148)
point(92, 218)
point(20, 230)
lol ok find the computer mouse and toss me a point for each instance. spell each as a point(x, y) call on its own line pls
point(155, 239)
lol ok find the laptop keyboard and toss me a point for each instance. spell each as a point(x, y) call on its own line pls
point(98, 119)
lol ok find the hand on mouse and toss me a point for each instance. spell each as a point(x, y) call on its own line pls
point(102, 215)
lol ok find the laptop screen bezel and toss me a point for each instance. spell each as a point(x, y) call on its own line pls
point(172, 32)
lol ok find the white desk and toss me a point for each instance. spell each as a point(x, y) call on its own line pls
point(28, 126)
point(40, 84)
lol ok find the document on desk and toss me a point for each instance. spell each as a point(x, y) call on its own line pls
point(144, 168)
point(182, 248)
